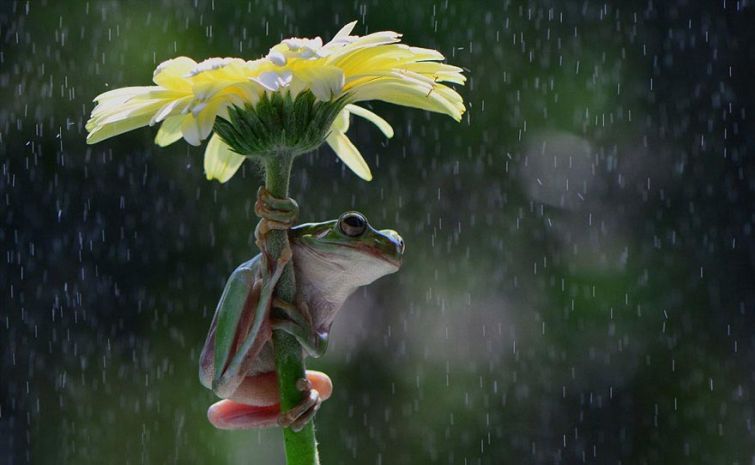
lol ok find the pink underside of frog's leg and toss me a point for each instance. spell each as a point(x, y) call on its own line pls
point(255, 402)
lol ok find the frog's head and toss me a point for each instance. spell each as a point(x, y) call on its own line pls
point(348, 250)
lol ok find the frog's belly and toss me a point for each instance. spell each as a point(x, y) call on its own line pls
point(265, 361)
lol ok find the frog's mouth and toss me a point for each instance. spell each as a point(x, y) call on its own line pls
point(390, 254)
point(393, 259)
point(391, 251)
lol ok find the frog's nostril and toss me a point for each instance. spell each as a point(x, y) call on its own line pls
point(395, 239)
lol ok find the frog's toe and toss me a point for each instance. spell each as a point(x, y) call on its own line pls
point(298, 416)
point(279, 211)
point(229, 414)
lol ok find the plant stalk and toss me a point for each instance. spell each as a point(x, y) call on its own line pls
point(301, 447)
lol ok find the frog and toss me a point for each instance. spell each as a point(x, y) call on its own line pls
point(331, 260)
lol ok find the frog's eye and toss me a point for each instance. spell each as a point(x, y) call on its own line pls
point(352, 224)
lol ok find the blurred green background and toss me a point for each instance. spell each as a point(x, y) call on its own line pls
point(578, 285)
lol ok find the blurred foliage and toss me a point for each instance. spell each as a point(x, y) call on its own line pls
point(578, 285)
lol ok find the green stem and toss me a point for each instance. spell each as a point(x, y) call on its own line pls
point(301, 447)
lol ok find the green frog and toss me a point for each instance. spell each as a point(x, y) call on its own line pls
point(331, 261)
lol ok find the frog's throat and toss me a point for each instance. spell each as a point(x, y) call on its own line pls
point(321, 277)
point(326, 280)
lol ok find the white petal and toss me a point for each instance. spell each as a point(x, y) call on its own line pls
point(272, 80)
point(349, 154)
point(206, 118)
point(211, 64)
point(170, 107)
point(277, 57)
point(344, 32)
point(381, 124)
point(190, 130)
point(220, 162)
point(325, 82)
point(123, 94)
point(170, 131)
point(268, 80)
point(285, 78)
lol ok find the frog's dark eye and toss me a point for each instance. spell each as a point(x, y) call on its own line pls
point(352, 224)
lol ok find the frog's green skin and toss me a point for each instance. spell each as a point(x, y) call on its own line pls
point(331, 260)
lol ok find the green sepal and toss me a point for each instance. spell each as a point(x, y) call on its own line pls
point(278, 123)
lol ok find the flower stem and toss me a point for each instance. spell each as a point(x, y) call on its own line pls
point(301, 447)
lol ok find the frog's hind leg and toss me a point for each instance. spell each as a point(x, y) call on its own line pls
point(255, 402)
point(230, 324)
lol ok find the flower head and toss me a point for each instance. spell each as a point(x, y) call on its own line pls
point(299, 95)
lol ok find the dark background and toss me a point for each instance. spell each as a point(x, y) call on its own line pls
point(578, 285)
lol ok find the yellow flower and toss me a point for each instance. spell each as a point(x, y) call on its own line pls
point(189, 97)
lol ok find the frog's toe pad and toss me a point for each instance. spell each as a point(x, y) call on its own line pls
point(228, 414)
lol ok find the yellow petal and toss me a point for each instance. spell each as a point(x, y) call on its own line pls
point(173, 74)
point(124, 93)
point(349, 154)
point(326, 82)
point(341, 122)
point(106, 131)
point(381, 124)
point(220, 162)
point(127, 111)
point(425, 53)
point(440, 99)
point(206, 117)
point(440, 72)
point(170, 131)
point(173, 107)
point(105, 114)
point(190, 130)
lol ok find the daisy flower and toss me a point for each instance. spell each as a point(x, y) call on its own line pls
point(301, 94)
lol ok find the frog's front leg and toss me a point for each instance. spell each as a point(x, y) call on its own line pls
point(274, 213)
point(296, 320)
point(255, 404)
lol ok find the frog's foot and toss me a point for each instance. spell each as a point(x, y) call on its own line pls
point(297, 321)
point(299, 415)
point(274, 213)
point(255, 402)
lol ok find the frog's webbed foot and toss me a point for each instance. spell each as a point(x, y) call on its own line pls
point(297, 321)
point(297, 417)
point(275, 214)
